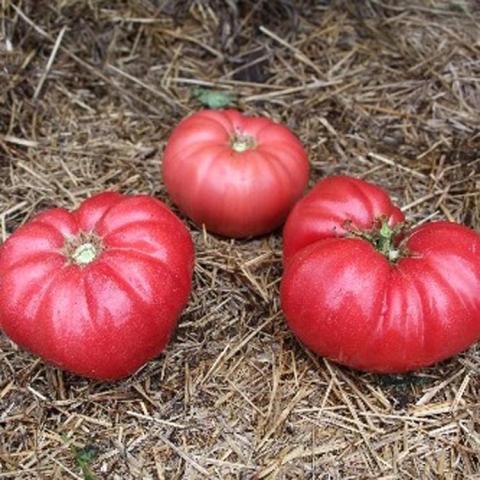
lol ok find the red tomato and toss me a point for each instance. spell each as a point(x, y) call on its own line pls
point(369, 297)
point(237, 175)
point(96, 291)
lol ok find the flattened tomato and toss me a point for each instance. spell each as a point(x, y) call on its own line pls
point(96, 291)
point(358, 290)
point(237, 175)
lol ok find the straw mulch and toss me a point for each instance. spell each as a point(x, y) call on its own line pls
point(90, 92)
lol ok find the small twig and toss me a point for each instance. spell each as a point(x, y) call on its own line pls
point(19, 141)
point(392, 163)
point(288, 91)
point(51, 59)
point(149, 88)
point(298, 53)
point(420, 200)
point(85, 64)
point(300, 395)
point(186, 457)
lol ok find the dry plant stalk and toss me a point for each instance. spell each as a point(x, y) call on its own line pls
point(388, 91)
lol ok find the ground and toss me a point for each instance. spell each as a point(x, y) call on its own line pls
point(389, 93)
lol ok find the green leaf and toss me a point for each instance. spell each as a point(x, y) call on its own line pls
point(87, 454)
point(84, 457)
point(88, 475)
point(459, 7)
point(214, 98)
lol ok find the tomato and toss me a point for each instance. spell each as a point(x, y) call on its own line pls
point(360, 290)
point(237, 175)
point(96, 291)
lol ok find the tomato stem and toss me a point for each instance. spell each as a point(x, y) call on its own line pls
point(382, 238)
point(385, 242)
point(84, 254)
point(83, 248)
point(242, 143)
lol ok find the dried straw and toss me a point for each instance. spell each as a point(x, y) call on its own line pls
point(384, 90)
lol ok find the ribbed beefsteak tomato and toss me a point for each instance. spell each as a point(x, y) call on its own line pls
point(237, 175)
point(96, 291)
point(362, 291)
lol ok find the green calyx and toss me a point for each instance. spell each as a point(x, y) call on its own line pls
point(383, 237)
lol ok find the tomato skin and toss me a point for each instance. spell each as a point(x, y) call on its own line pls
point(103, 319)
point(235, 194)
point(332, 202)
point(344, 300)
